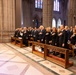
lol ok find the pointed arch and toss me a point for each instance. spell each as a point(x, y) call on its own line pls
point(58, 22)
point(53, 22)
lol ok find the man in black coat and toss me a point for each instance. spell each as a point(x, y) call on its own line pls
point(62, 37)
point(16, 32)
point(35, 34)
point(41, 35)
point(25, 36)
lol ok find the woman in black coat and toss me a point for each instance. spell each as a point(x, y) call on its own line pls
point(48, 35)
point(54, 36)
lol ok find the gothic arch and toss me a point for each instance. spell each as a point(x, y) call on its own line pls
point(58, 22)
point(53, 22)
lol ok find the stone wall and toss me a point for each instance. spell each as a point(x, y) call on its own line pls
point(31, 13)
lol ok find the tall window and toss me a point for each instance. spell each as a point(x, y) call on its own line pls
point(38, 4)
point(53, 22)
point(58, 23)
point(56, 5)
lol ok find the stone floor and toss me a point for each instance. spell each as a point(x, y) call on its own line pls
point(20, 61)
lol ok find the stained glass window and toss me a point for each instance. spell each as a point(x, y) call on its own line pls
point(38, 4)
point(56, 5)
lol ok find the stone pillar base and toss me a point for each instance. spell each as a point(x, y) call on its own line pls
point(6, 37)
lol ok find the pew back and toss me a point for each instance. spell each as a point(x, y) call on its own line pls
point(36, 51)
point(57, 58)
point(64, 62)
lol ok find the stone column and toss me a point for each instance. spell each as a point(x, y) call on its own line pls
point(50, 12)
point(47, 12)
point(71, 12)
point(18, 13)
point(8, 19)
point(0, 20)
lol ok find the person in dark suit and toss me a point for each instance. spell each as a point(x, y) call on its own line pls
point(67, 40)
point(25, 36)
point(58, 32)
point(35, 34)
point(71, 31)
point(20, 32)
point(48, 35)
point(73, 37)
point(68, 32)
point(41, 34)
point(16, 32)
point(54, 36)
point(30, 32)
point(62, 37)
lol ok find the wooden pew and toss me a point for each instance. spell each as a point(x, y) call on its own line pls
point(30, 43)
point(35, 51)
point(64, 62)
point(57, 59)
point(19, 42)
point(13, 40)
point(71, 49)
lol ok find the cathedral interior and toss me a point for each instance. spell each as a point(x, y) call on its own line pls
point(20, 53)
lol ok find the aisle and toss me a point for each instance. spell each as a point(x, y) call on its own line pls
point(13, 63)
